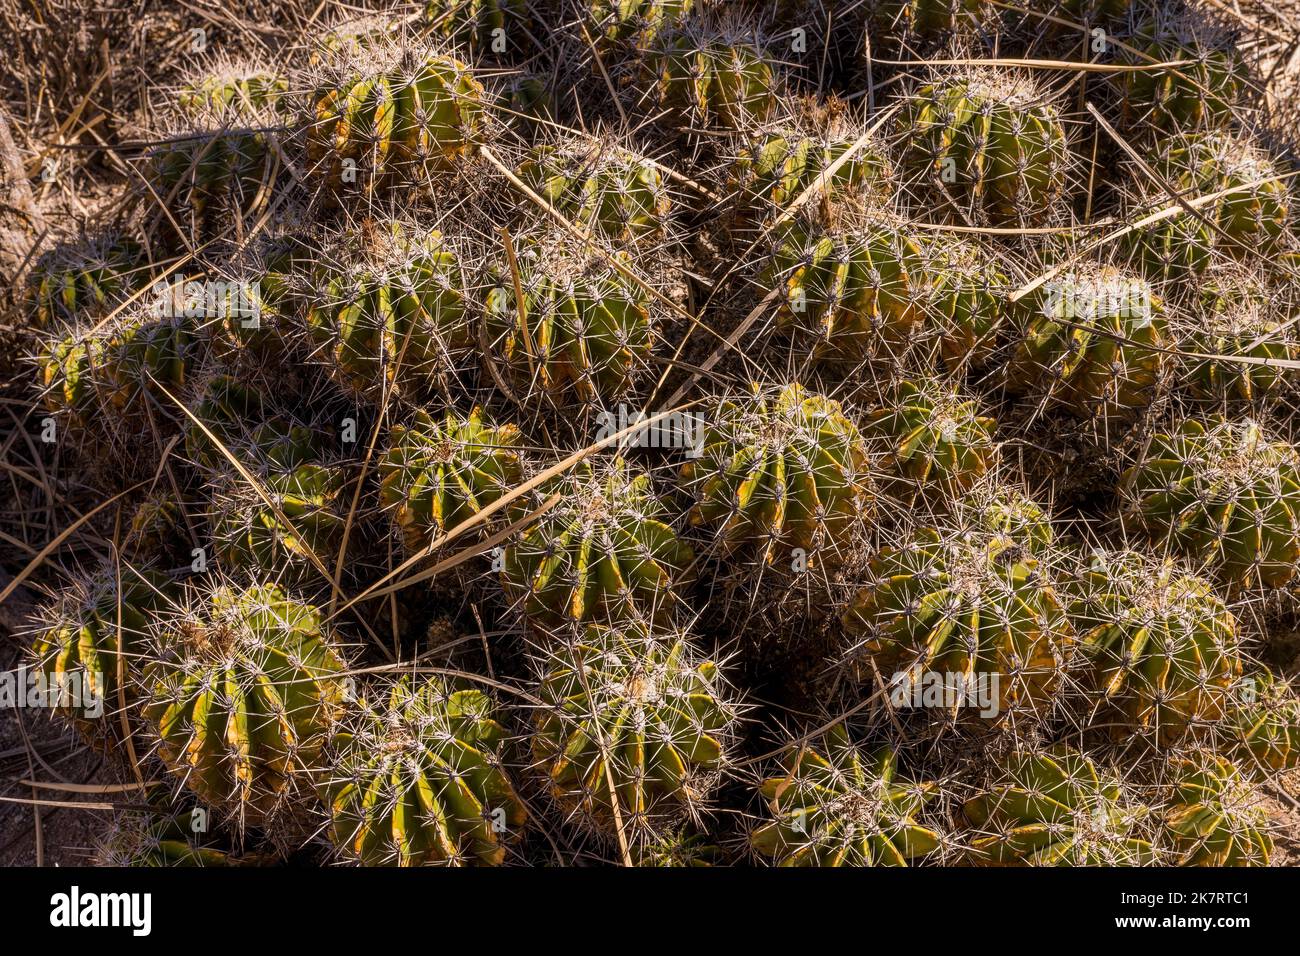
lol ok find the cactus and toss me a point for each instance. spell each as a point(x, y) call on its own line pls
point(835, 805)
point(436, 476)
point(246, 92)
point(244, 421)
point(989, 142)
point(308, 519)
point(1214, 816)
point(398, 318)
point(1263, 724)
point(1093, 344)
point(772, 169)
point(930, 18)
point(242, 696)
point(480, 25)
point(600, 187)
point(379, 121)
point(677, 848)
point(417, 780)
point(964, 603)
point(585, 331)
point(636, 24)
point(88, 646)
point(785, 470)
point(1055, 808)
point(601, 553)
point(854, 292)
point(1201, 93)
point(1226, 496)
point(208, 180)
point(993, 507)
point(155, 528)
point(964, 303)
point(83, 282)
point(932, 438)
point(712, 81)
point(1162, 645)
point(162, 840)
point(69, 372)
point(632, 729)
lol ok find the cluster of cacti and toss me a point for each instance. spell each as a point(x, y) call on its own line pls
point(670, 433)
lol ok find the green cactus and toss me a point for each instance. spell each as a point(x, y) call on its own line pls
point(244, 92)
point(526, 102)
point(836, 805)
point(933, 439)
point(854, 292)
point(964, 603)
point(209, 180)
point(930, 18)
point(1162, 646)
point(416, 779)
point(156, 528)
point(84, 282)
point(88, 646)
point(383, 122)
point(1263, 724)
point(636, 24)
point(585, 331)
point(712, 81)
point(1225, 496)
point(398, 318)
point(600, 187)
point(677, 848)
point(473, 23)
point(784, 470)
point(989, 142)
point(1214, 816)
point(308, 519)
point(1236, 316)
point(601, 553)
point(70, 373)
point(163, 839)
point(242, 696)
point(1201, 93)
point(771, 170)
point(436, 476)
point(1055, 808)
point(964, 303)
point(1093, 343)
point(631, 720)
point(245, 422)
point(994, 507)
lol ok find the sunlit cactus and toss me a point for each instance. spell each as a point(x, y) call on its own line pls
point(84, 282)
point(785, 470)
point(602, 552)
point(417, 778)
point(1057, 808)
point(1225, 495)
point(1203, 92)
point(483, 26)
point(1263, 725)
point(437, 475)
point(633, 727)
point(712, 80)
point(836, 804)
point(241, 696)
point(1163, 647)
point(1215, 815)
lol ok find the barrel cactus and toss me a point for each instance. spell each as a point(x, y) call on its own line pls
point(213, 180)
point(238, 90)
point(852, 292)
point(84, 281)
point(930, 19)
point(416, 778)
point(1056, 808)
point(785, 470)
point(601, 553)
point(1093, 343)
point(932, 439)
point(969, 604)
point(601, 187)
point(1215, 815)
point(163, 839)
point(1263, 726)
point(635, 23)
point(837, 805)
point(1203, 92)
point(241, 696)
point(632, 728)
point(1225, 495)
point(712, 81)
point(394, 316)
point(436, 476)
point(1162, 645)
point(88, 646)
point(248, 426)
point(989, 142)
point(483, 26)
point(584, 330)
point(391, 113)
point(996, 507)
point(964, 301)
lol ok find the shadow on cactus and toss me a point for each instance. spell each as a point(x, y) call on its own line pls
point(1215, 815)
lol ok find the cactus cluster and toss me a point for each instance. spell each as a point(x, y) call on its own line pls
point(666, 433)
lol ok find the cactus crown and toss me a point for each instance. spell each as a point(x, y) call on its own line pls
point(1215, 816)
